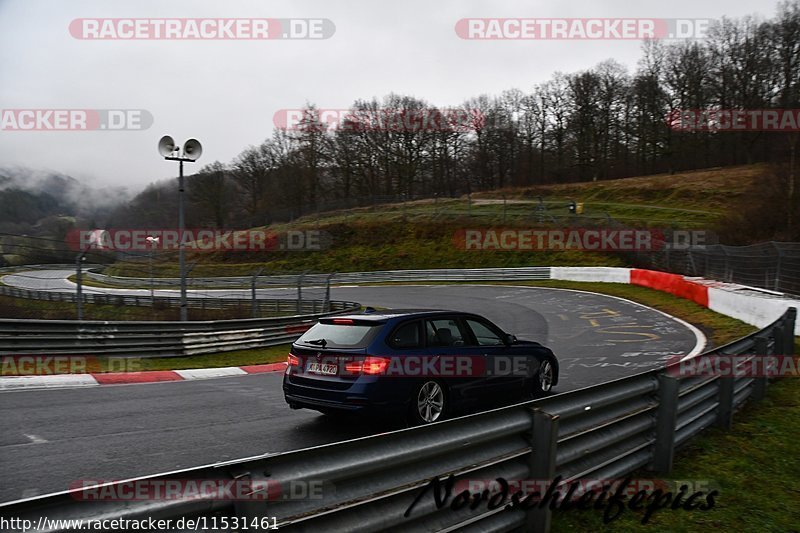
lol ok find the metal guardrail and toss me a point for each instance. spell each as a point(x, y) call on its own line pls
point(602, 432)
point(152, 339)
point(161, 338)
point(275, 305)
point(378, 276)
point(41, 266)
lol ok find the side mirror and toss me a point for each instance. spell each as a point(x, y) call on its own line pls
point(510, 339)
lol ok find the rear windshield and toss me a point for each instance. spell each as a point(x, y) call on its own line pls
point(339, 335)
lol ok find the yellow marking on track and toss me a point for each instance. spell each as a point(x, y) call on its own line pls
point(601, 314)
point(613, 330)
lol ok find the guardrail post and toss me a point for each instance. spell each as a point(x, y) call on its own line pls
point(761, 348)
point(788, 325)
point(542, 464)
point(254, 300)
point(300, 292)
point(326, 308)
point(779, 339)
point(728, 270)
point(725, 402)
point(666, 418)
point(692, 263)
point(777, 283)
point(79, 286)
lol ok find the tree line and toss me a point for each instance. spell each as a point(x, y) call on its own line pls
point(601, 123)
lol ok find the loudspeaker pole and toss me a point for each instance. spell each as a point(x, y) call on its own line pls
point(181, 249)
point(191, 152)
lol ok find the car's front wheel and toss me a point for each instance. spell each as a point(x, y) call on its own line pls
point(427, 403)
point(543, 380)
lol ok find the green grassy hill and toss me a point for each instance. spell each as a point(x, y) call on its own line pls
point(420, 234)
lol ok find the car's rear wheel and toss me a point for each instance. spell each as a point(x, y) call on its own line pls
point(543, 380)
point(427, 403)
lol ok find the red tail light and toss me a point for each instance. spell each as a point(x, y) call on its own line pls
point(353, 367)
point(293, 360)
point(348, 321)
point(375, 365)
point(370, 366)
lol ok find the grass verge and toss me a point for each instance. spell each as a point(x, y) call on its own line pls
point(270, 354)
point(753, 466)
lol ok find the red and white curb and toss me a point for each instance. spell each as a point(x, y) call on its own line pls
point(752, 305)
point(59, 381)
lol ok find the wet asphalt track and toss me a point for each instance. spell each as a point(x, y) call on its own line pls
point(53, 437)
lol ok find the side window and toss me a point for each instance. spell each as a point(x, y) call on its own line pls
point(444, 332)
point(406, 336)
point(483, 334)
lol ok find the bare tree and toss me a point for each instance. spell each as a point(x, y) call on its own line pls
point(208, 191)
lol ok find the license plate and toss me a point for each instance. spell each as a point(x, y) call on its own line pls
point(325, 369)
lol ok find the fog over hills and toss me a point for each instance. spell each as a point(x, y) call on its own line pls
point(28, 197)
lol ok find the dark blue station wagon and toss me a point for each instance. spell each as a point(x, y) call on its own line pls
point(422, 365)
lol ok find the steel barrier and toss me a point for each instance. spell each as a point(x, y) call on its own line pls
point(291, 280)
point(161, 338)
point(275, 305)
point(601, 432)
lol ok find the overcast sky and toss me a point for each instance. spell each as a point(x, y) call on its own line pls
point(225, 93)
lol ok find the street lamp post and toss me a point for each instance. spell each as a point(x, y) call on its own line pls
point(190, 153)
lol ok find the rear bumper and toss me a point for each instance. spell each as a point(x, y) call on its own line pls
point(298, 402)
point(360, 397)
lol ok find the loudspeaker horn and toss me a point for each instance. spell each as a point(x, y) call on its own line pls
point(166, 146)
point(192, 149)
